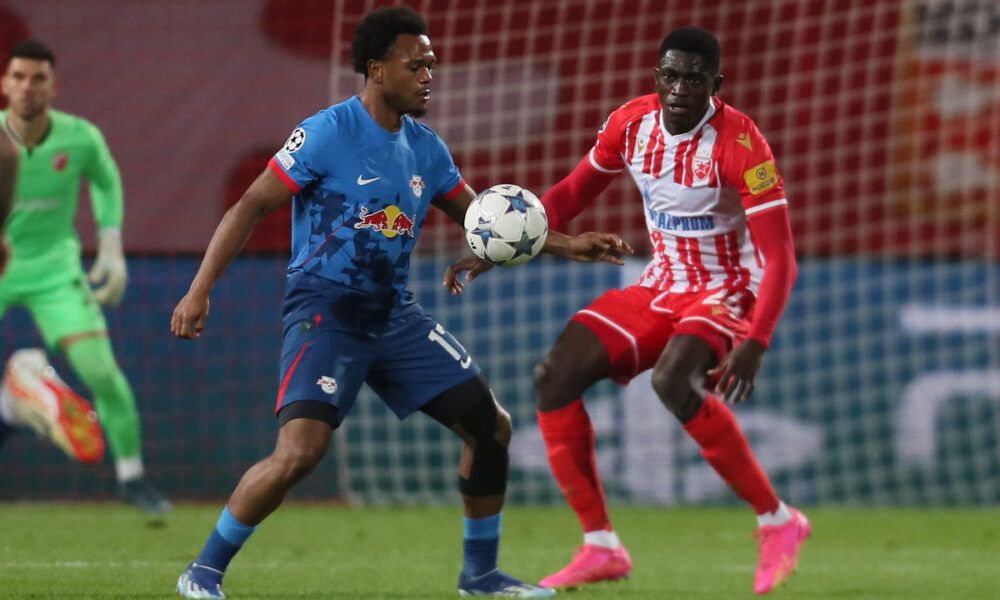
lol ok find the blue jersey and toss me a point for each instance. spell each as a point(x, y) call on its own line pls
point(361, 195)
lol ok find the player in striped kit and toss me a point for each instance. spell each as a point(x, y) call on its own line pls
point(702, 314)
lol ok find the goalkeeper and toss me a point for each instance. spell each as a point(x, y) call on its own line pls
point(44, 273)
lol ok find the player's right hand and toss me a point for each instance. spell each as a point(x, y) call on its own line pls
point(189, 316)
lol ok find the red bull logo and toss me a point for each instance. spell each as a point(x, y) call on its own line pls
point(390, 221)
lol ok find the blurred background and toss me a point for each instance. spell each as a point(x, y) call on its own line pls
point(882, 386)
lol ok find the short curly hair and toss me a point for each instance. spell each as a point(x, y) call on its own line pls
point(695, 40)
point(376, 34)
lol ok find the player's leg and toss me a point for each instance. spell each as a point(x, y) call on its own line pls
point(94, 362)
point(422, 367)
point(603, 340)
point(471, 411)
point(302, 443)
point(578, 360)
point(70, 320)
point(32, 394)
point(679, 381)
point(322, 369)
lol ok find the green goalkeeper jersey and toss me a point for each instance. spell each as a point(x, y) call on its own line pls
point(45, 248)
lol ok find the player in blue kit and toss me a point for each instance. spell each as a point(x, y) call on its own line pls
point(361, 176)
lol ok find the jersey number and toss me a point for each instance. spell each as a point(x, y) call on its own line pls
point(448, 343)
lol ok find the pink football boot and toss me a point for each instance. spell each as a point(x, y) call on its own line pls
point(590, 565)
point(779, 551)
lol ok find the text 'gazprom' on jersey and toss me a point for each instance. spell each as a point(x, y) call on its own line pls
point(671, 222)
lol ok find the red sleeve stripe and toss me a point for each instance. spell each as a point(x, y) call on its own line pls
point(766, 206)
point(283, 176)
point(455, 191)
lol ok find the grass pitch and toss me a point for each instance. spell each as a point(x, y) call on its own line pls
point(85, 551)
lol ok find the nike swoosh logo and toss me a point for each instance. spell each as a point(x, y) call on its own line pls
point(363, 181)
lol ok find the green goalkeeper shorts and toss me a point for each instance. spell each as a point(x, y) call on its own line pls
point(67, 309)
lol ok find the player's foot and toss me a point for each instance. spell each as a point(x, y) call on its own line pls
point(199, 581)
point(35, 396)
point(497, 583)
point(779, 551)
point(142, 494)
point(590, 565)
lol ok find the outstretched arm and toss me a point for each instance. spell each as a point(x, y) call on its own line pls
point(575, 192)
point(263, 196)
point(588, 247)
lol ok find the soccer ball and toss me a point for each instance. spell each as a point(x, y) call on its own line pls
point(506, 225)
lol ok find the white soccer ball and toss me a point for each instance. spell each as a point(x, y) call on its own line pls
point(506, 225)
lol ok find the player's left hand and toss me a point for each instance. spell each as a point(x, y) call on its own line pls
point(594, 246)
point(471, 263)
point(109, 272)
point(738, 370)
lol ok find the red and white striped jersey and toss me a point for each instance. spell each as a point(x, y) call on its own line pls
point(697, 189)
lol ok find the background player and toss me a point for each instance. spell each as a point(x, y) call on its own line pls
point(703, 311)
point(44, 273)
point(348, 315)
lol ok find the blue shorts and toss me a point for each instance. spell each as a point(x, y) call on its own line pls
point(334, 341)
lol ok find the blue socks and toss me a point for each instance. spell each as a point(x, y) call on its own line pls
point(481, 543)
point(226, 540)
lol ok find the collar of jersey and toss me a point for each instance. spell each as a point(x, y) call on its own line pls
point(373, 130)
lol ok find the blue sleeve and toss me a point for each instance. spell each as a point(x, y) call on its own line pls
point(444, 165)
point(302, 156)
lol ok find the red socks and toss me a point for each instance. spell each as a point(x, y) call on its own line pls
point(723, 445)
point(569, 440)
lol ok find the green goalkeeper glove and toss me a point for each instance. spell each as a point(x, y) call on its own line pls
point(108, 272)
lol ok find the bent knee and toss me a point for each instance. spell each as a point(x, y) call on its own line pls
point(556, 385)
point(504, 429)
point(677, 392)
point(543, 373)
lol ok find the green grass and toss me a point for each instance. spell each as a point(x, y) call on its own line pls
point(84, 551)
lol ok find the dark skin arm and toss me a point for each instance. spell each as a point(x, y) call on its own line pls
point(263, 196)
point(585, 247)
